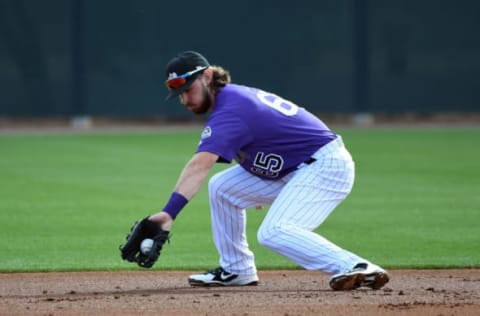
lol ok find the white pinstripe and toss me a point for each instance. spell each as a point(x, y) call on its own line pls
point(300, 202)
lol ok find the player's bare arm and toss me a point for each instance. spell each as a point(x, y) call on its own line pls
point(194, 173)
point(189, 182)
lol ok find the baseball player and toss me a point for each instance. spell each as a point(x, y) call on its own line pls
point(285, 157)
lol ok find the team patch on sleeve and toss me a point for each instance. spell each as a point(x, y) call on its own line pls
point(207, 132)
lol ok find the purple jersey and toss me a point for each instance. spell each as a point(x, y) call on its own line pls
point(267, 135)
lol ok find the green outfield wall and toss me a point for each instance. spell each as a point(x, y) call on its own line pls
point(106, 58)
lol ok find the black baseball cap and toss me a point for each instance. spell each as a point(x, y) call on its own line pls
point(182, 70)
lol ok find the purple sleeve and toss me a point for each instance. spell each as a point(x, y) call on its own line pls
point(224, 135)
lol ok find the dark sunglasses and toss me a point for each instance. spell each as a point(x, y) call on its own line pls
point(177, 82)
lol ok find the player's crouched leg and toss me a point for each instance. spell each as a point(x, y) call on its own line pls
point(267, 236)
point(286, 239)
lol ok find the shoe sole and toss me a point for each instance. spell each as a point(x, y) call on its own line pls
point(204, 284)
point(374, 281)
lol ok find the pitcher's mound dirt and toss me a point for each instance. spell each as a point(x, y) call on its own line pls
point(298, 292)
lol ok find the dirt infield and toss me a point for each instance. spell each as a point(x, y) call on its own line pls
point(297, 292)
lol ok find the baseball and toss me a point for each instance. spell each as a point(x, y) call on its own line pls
point(146, 246)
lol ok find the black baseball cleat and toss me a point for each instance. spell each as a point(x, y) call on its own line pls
point(362, 275)
point(220, 277)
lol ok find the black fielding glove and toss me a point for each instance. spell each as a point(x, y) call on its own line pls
point(141, 230)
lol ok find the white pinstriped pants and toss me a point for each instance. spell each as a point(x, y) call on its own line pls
point(300, 202)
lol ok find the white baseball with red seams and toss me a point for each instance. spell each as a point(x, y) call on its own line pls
point(146, 246)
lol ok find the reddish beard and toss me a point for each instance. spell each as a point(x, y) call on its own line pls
point(207, 103)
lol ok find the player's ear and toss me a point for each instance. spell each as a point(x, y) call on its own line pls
point(208, 75)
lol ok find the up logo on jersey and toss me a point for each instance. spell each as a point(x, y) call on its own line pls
point(267, 165)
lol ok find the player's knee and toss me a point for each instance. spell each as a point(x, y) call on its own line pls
point(268, 235)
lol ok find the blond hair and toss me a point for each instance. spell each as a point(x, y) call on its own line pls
point(220, 78)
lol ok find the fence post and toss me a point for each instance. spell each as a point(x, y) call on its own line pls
point(361, 62)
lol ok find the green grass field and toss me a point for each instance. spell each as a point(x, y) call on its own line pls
point(67, 201)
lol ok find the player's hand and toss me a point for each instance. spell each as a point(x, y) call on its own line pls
point(141, 230)
point(164, 219)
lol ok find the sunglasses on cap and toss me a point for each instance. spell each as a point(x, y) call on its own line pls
point(179, 81)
